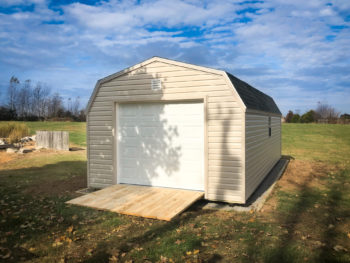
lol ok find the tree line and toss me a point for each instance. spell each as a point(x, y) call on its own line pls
point(26, 101)
point(324, 113)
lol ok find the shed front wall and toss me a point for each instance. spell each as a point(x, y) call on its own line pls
point(262, 151)
point(224, 124)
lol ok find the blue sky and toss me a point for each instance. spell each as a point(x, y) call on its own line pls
point(297, 51)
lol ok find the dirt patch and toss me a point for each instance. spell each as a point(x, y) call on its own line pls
point(60, 187)
point(300, 174)
point(6, 157)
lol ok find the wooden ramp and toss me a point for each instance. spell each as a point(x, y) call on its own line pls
point(146, 201)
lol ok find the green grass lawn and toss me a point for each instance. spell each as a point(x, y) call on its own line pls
point(317, 142)
point(77, 130)
point(306, 219)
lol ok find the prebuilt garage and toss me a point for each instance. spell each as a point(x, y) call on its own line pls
point(170, 124)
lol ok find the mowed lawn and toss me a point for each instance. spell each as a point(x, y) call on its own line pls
point(317, 142)
point(306, 218)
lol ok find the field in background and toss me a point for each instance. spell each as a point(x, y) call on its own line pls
point(306, 218)
point(316, 142)
point(77, 130)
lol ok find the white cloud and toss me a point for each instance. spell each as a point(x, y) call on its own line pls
point(327, 12)
point(286, 48)
point(123, 16)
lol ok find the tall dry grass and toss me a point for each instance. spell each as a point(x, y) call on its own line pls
point(13, 131)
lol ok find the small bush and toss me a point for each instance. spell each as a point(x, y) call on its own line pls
point(295, 118)
point(13, 131)
point(308, 117)
point(7, 114)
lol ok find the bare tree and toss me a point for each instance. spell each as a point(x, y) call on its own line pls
point(55, 105)
point(326, 111)
point(29, 102)
point(76, 106)
point(36, 99)
point(39, 100)
point(28, 94)
point(12, 92)
point(24, 99)
point(69, 105)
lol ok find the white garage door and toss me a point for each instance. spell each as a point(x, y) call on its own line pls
point(161, 144)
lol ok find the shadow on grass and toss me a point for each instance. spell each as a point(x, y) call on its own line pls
point(316, 243)
point(337, 211)
point(292, 219)
point(31, 204)
point(162, 231)
point(50, 179)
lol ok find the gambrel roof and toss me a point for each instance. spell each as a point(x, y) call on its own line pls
point(252, 98)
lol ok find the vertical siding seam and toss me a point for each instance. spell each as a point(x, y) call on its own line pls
point(206, 150)
point(88, 151)
point(280, 136)
point(115, 142)
point(243, 156)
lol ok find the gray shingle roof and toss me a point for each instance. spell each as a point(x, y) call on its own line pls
point(253, 98)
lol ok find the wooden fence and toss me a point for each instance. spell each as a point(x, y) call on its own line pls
point(58, 140)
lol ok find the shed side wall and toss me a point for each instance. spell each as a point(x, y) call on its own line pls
point(262, 151)
point(224, 123)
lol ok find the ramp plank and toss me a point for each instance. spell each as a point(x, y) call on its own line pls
point(145, 201)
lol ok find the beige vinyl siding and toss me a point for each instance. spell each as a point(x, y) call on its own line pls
point(262, 151)
point(224, 123)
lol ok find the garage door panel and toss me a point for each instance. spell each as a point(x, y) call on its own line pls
point(161, 145)
point(183, 122)
point(128, 152)
point(189, 165)
point(128, 171)
point(149, 140)
point(149, 132)
point(192, 154)
point(191, 130)
point(153, 145)
point(129, 132)
point(170, 124)
point(128, 110)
